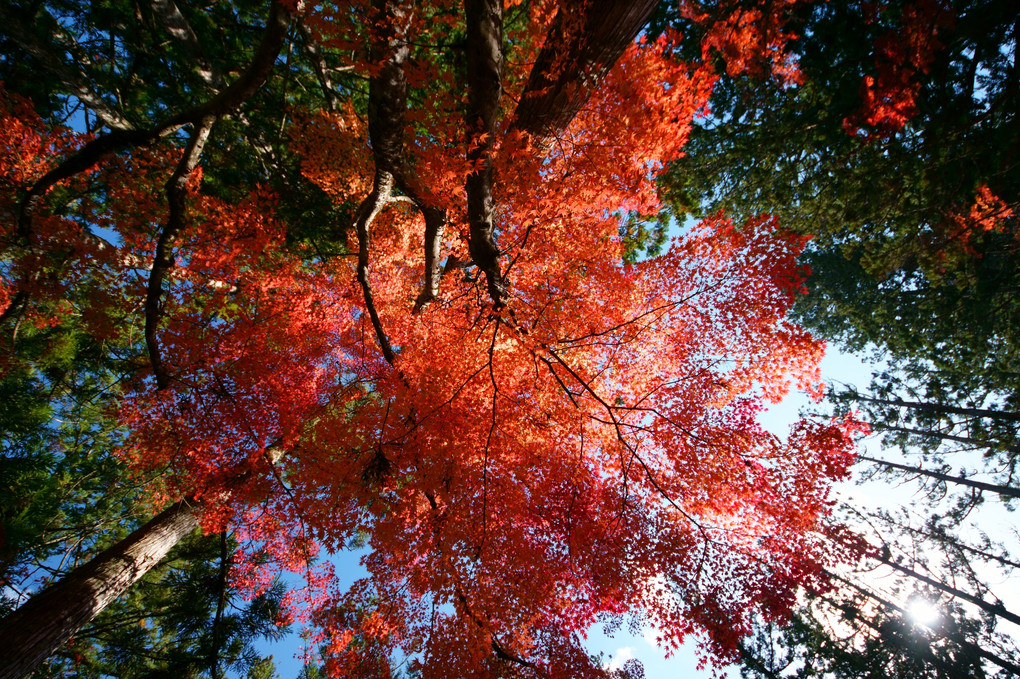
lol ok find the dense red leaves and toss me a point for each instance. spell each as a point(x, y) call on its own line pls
point(332, 149)
point(889, 96)
point(28, 149)
point(589, 451)
point(750, 40)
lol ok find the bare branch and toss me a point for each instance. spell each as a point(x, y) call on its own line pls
point(164, 260)
point(1005, 491)
point(321, 68)
point(367, 211)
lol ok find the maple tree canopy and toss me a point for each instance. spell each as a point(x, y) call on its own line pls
point(531, 435)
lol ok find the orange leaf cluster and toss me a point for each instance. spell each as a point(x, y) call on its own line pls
point(587, 451)
point(750, 40)
point(890, 94)
point(961, 233)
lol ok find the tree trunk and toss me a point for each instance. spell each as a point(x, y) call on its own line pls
point(51, 617)
point(937, 407)
point(485, 84)
point(929, 432)
point(939, 629)
point(583, 43)
point(1006, 491)
point(995, 609)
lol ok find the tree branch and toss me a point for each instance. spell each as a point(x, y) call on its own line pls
point(993, 609)
point(119, 140)
point(74, 80)
point(584, 42)
point(940, 628)
point(321, 68)
point(387, 104)
point(175, 23)
point(485, 74)
point(367, 211)
point(387, 91)
point(221, 601)
point(122, 139)
point(1005, 491)
point(164, 259)
point(435, 224)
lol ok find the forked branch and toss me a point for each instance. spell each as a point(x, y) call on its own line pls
point(585, 40)
point(367, 211)
point(176, 190)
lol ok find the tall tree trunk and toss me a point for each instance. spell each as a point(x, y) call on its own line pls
point(221, 603)
point(932, 433)
point(938, 629)
point(1006, 491)
point(936, 407)
point(584, 41)
point(51, 617)
point(995, 609)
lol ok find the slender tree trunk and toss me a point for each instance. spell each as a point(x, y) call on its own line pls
point(937, 407)
point(994, 609)
point(221, 602)
point(939, 629)
point(1006, 491)
point(929, 432)
point(54, 615)
point(949, 541)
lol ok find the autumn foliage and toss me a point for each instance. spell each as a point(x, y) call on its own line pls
point(584, 448)
point(902, 55)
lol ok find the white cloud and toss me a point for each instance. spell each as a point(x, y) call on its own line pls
point(621, 656)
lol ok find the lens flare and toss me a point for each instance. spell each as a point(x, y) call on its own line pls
point(923, 612)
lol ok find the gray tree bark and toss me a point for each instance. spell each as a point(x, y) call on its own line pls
point(1005, 491)
point(51, 617)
